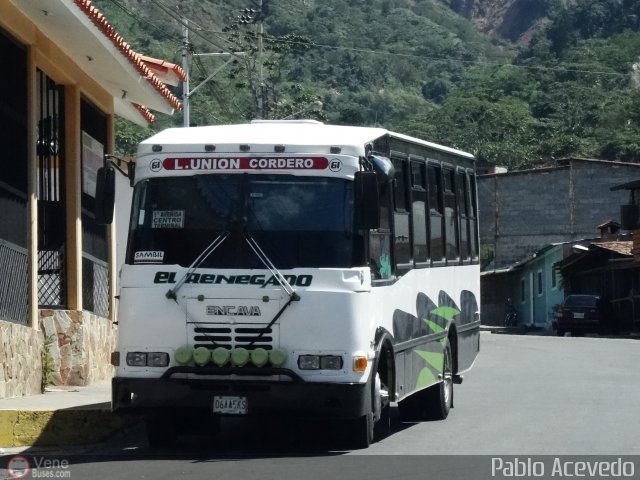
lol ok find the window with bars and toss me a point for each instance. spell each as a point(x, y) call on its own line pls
point(51, 193)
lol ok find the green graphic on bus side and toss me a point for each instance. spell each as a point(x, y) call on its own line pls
point(446, 312)
point(385, 266)
point(432, 319)
point(435, 359)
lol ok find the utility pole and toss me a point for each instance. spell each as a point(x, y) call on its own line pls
point(261, 76)
point(186, 50)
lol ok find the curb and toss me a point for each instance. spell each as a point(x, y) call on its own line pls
point(20, 428)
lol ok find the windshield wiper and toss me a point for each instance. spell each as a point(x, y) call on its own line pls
point(286, 286)
point(171, 294)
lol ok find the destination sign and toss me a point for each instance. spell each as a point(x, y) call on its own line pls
point(245, 163)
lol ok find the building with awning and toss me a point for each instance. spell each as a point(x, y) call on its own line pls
point(67, 74)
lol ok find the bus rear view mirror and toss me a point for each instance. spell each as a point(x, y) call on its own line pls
point(105, 195)
point(367, 201)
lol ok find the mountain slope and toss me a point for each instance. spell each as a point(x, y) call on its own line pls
point(432, 68)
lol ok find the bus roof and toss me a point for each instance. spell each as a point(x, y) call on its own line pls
point(277, 132)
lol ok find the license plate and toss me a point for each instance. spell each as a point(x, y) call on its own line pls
point(230, 405)
point(578, 315)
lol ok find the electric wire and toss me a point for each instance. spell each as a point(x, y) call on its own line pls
point(199, 31)
point(139, 18)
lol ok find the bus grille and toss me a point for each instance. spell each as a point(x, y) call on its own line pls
point(234, 336)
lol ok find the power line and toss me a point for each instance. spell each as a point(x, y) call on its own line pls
point(431, 57)
point(186, 22)
point(428, 57)
point(144, 20)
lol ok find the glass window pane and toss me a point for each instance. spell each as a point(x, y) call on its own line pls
point(450, 215)
point(400, 185)
point(296, 221)
point(420, 251)
point(380, 261)
point(402, 246)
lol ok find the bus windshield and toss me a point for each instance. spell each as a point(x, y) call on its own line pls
point(296, 221)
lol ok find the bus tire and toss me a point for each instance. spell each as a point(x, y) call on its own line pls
point(382, 408)
point(162, 430)
point(363, 431)
point(439, 398)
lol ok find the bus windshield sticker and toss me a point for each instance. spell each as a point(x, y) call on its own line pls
point(168, 219)
point(148, 257)
point(385, 266)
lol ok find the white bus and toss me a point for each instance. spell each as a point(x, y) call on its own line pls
point(296, 267)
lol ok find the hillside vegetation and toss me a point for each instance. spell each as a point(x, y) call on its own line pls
point(422, 67)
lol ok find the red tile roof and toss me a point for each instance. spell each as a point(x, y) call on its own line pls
point(99, 20)
point(164, 66)
point(145, 112)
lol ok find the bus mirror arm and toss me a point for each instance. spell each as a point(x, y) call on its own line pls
point(105, 195)
point(117, 162)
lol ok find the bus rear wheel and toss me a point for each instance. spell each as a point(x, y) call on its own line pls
point(439, 398)
point(434, 402)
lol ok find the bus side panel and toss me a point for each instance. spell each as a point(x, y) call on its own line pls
point(468, 348)
point(420, 367)
point(419, 310)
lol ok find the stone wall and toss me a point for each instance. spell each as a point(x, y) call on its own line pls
point(80, 344)
point(20, 361)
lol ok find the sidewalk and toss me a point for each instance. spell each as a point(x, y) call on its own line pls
point(61, 416)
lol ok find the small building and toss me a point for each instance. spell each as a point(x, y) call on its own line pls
point(533, 286)
point(608, 269)
point(67, 74)
point(523, 211)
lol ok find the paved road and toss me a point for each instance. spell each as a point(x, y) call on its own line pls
point(527, 395)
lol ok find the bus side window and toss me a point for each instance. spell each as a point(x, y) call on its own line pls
point(474, 215)
point(380, 239)
point(401, 219)
point(451, 215)
point(462, 189)
point(436, 213)
point(419, 213)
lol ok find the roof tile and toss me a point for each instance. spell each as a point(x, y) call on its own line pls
point(134, 58)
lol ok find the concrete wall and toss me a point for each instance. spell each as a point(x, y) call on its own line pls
point(521, 212)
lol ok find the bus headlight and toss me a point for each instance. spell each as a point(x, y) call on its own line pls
point(309, 362)
point(147, 359)
point(157, 359)
point(137, 359)
point(331, 362)
point(320, 362)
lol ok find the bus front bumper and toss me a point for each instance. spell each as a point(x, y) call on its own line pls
point(297, 397)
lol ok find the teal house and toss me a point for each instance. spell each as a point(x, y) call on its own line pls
point(533, 285)
point(538, 289)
